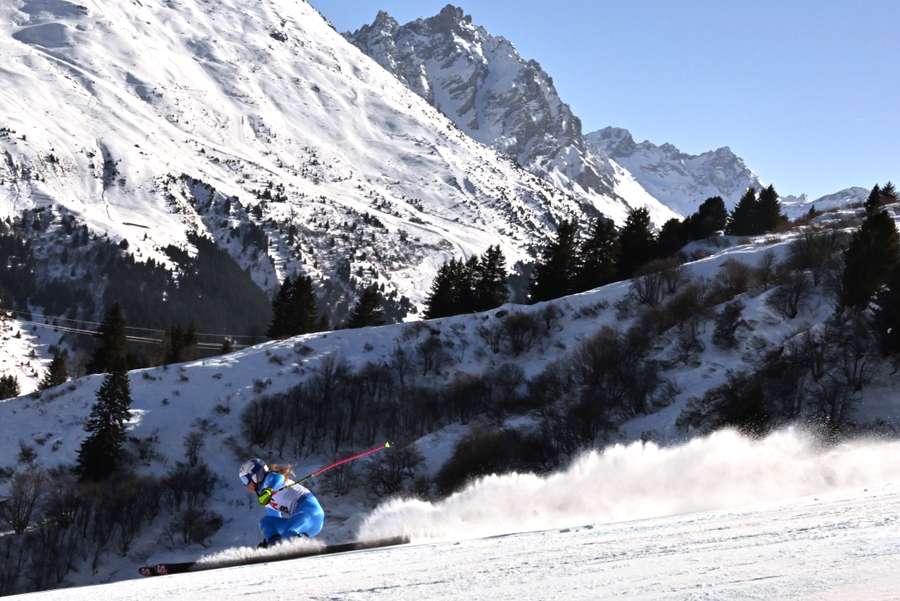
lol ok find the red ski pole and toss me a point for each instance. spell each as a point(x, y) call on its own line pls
point(338, 463)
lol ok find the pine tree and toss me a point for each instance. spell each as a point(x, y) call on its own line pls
point(113, 348)
point(465, 282)
point(597, 256)
point(302, 309)
point(294, 309)
point(490, 280)
point(9, 387)
point(442, 298)
point(672, 236)
point(888, 194)
point(873, 202)
point(555, 273)
point(637, 246)
point(57, 373)
point(887, 314)
point(100, 452)
point(769, 217)
point(368, 310)
point(743, 220)
point(872, 254)
point(710, 218)
point(279, 326)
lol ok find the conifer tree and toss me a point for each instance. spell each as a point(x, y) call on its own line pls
point(490, 280)
point(294, 309)
point(637, 245)
point(368, 310)
point(57, 373)
point(888, 194)
point(672, 236)
point(113, 347)
point(596, 265)
point(442, 298)
point(769, 216)
point(9, 387)
point(744, 218)
point(100, 452)
point(873, 202)
point(465, 285)
point(280, 305)
point(302, 308)
point(872, 254)
point(555, 273)
point(710, 218)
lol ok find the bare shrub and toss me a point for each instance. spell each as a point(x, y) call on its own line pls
point(520, 331)
point(389, 474)
point(790, 296)
point(193, 445)
point(727, 323)
point(432, 355)
point(24, 492)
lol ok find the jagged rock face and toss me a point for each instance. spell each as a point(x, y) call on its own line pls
point(274, 119)
point(680, 180)
point(500, 99)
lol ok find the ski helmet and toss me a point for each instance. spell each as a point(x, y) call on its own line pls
point(254, 470)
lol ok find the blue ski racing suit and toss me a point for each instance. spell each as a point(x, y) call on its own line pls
point(293, 511)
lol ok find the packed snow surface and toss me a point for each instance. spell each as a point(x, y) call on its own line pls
point(840, 546)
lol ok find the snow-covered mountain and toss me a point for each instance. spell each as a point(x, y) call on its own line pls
point(796, 206)
point(500, 99)
point(149, 121)
point(680, 180)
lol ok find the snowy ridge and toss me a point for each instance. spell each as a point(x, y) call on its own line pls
point(106, 104)
point(679, 180)
point(797, 206)
point(502, 100)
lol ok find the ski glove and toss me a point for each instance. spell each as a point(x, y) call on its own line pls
point(265, 497)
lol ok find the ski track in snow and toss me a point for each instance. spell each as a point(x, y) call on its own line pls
point(842, 546)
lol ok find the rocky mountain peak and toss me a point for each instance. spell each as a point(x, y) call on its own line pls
point(482, 83)
point(680, 180)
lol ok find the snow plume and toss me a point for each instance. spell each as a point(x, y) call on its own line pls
point(642, 480)
point(292, 547)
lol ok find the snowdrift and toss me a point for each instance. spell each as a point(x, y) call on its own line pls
point(642, 480)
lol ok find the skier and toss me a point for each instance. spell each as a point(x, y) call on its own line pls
point(291, 509)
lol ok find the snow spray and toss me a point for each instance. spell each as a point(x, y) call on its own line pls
point(722, 470)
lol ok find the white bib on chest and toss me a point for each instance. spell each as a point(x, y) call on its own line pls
point(285, 501)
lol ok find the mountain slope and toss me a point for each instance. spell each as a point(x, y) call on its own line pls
point(148, 121)
point(430, 384)
point(681, 181)
point(482, 83)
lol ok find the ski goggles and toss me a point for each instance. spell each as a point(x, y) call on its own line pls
point(245, 478)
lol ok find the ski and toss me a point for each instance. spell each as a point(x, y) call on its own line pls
point(164, 569)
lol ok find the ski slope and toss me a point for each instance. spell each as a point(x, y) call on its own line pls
point(842, 546)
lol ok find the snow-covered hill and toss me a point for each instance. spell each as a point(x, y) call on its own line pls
point(500, 99)
point(150, 120)
point(680, 180)
point(210, 398)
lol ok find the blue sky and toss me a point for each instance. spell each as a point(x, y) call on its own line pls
point(806, 92)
